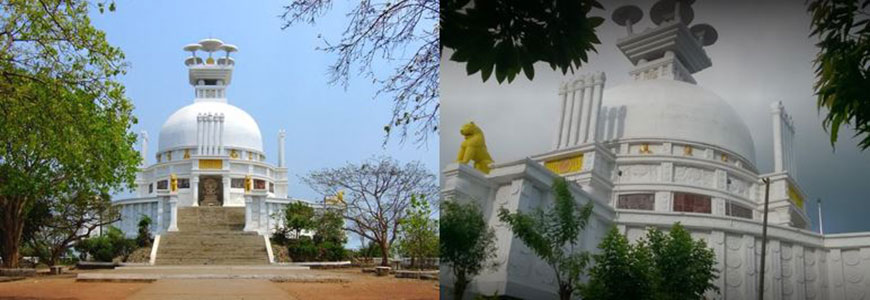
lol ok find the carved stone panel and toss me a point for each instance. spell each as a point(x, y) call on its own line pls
point(210, 191)
point(693, 176)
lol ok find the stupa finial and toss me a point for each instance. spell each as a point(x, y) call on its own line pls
point(670, 50)
point(211, 76)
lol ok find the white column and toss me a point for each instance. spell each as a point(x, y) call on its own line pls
point(194, 186)
point(281, 135)
point(596, 108)
point(587, 110)
point(775, 110)
point(199, 134)
point(226, 188)
point(144, 148)
point(577, 109)
point(221, 136)
point(249, 218)
point(566, 125)
point(159, 215)
point(173, 212)
point(563, 97)
point(261, 204)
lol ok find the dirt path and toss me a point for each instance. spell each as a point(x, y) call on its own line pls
point(66, 288)
point(363, 286)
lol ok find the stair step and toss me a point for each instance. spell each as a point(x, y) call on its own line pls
point(212, 236)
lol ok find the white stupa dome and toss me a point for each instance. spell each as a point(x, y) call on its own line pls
point(676, 110)
point(240, 129)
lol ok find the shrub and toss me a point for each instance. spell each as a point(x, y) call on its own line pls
point(108, 246)
point(144, 238)
point(302, 249)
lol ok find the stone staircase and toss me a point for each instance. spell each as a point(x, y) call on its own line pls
point(211, 236)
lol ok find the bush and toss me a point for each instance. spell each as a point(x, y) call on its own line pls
point(302, 249)
point(279, 237)
point(108, 246)
point(144, 238)
point(332, 252)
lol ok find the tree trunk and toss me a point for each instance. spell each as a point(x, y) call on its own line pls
point(13, 225)
point(385, 254)
point(564, 292)
point(459, 286)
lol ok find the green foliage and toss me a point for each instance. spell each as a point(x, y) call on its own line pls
point(302, 249)
point(329, 235)
point(67, 219)
point(419, 232)
point(65, 119)
point(510, 36)
point(553, 234)
point(621, 270)
point(370, 249)
point(467, 244)
point(843, 65)
point(660, 266)
point(144, 239)
point(298, 216)
point(107, 246)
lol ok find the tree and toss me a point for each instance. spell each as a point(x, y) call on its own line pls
point(511, 36)
point(419, 232)
point(843, 65)
point(298, 216)
point(553, 235)
point(379, 192)
point(329, 235)
point(65, 119)
point(684, 268)
point(621, 270)
point(467, 245)
point(660, 266)
point(71, 218)
point(380, 32)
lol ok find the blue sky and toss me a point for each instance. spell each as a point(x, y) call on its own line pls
point(280, 79)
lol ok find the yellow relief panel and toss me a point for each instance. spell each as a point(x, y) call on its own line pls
point(211, 164)
point(565, 165)
point(795, 196)
point(186, 153)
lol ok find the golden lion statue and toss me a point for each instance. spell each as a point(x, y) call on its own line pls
point(474, 148)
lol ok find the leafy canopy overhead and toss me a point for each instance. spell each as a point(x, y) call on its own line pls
point(843, 65)
point(509, 36)
point(65, 119)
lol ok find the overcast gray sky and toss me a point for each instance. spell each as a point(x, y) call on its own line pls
point(763, 55)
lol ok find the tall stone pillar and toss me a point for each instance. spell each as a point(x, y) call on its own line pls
point(249, 213)
point(281, 135)
point(194, 186)
point(144, 147)
point(226, 188)
point(173, 212)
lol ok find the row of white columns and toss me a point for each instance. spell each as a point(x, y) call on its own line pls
point(210, 129)
point(581, 105)
point(783, 140)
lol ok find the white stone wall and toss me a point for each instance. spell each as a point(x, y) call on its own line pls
point(521, 187)
point(800, 264)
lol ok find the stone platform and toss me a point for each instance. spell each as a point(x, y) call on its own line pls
point(154, 273)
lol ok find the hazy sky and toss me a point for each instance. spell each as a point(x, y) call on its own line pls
point(280, 79)
point(763, 55)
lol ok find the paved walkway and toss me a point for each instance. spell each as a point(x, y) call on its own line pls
point(211, 289)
